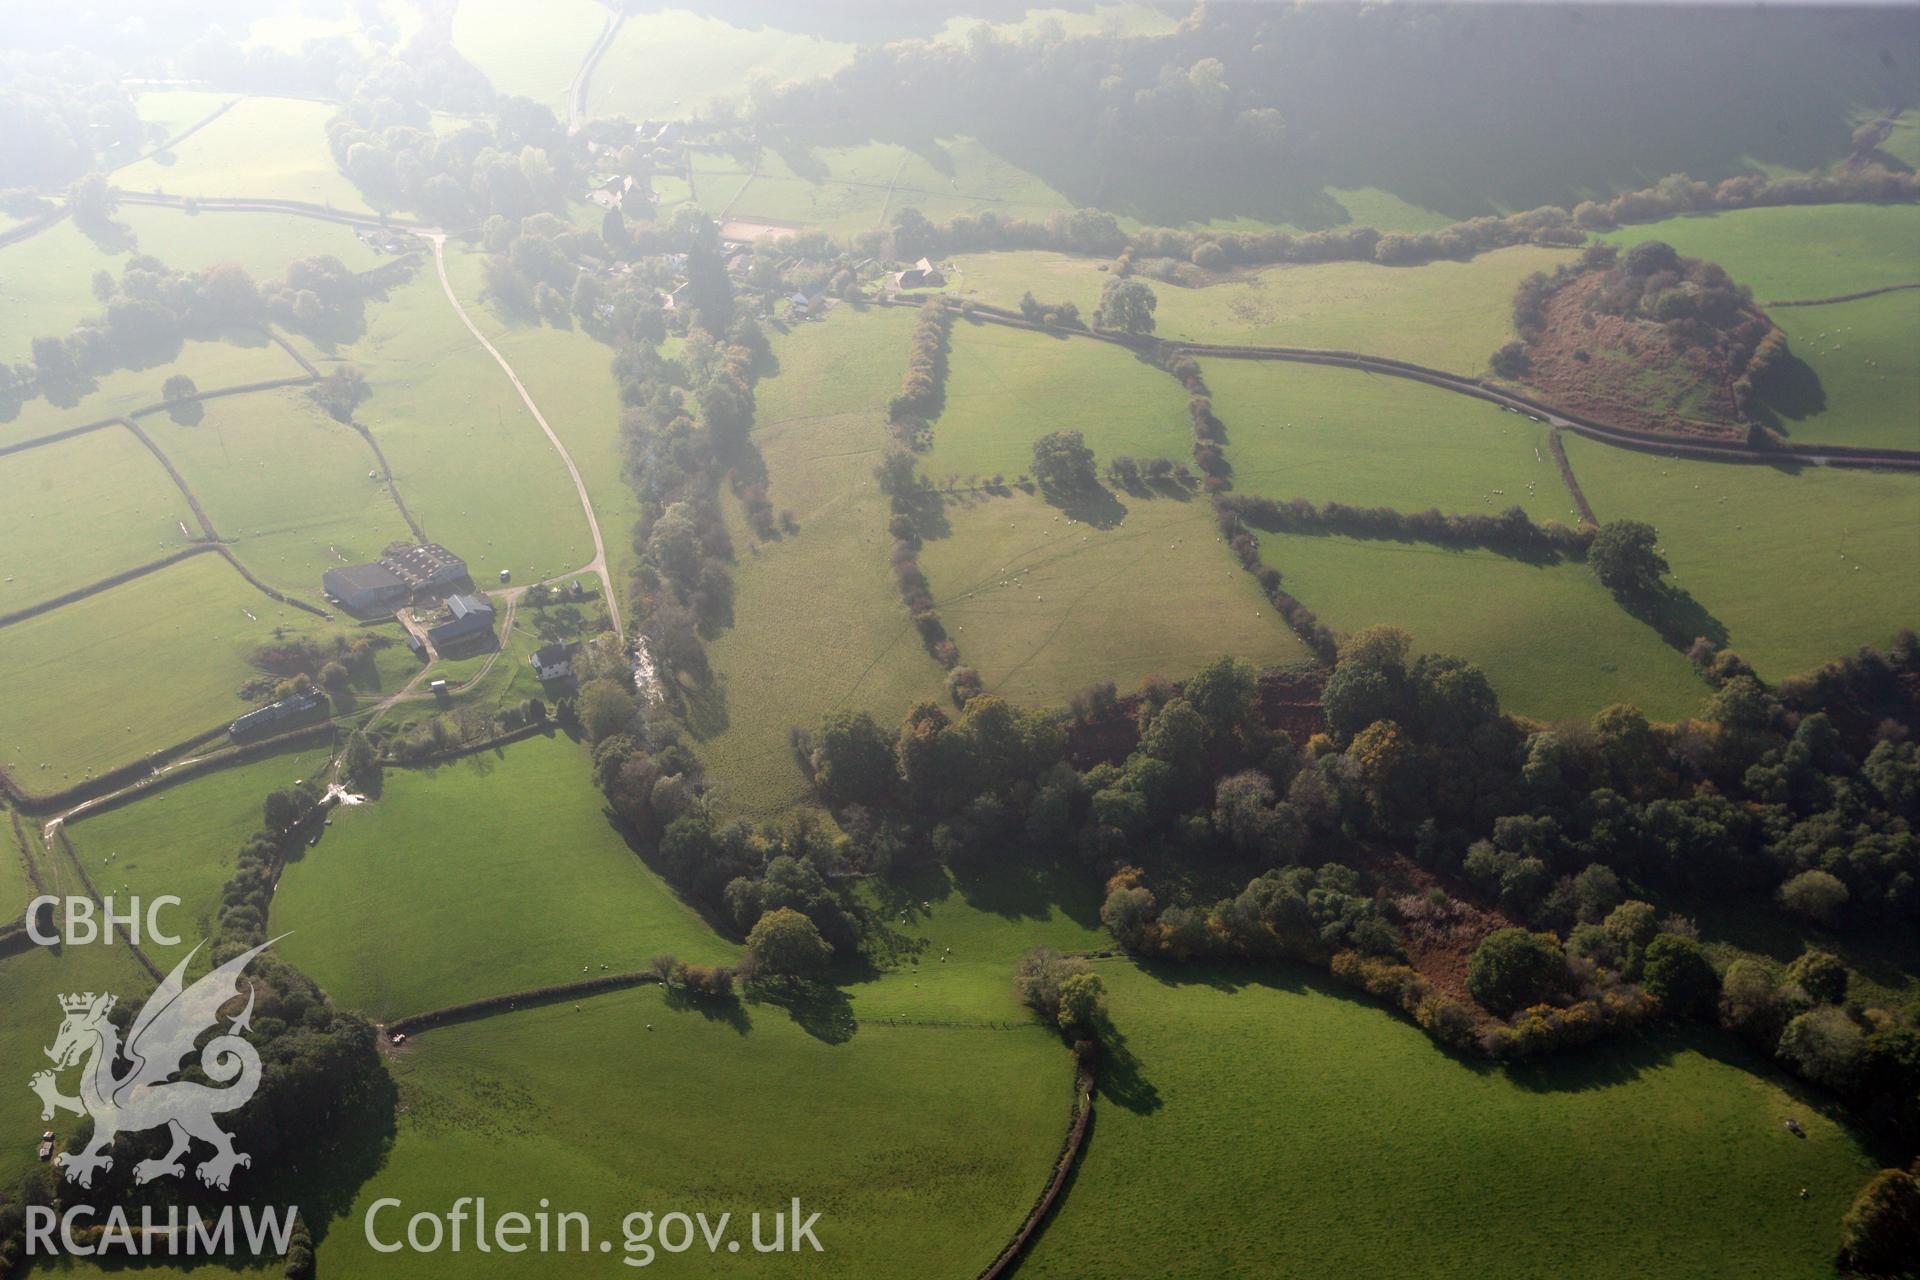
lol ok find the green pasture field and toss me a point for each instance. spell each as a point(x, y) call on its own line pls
point(570, 376)
point(1099, 19)
point(1903, 143)
point(169, 112)
point(1866, 356)
point(920, 1147)
point(668, 64)
point(473, 465)
point(58, 533)
point(31, 984)
point(275, 147)
point(1449, 315)
point(494, 873)
point(948, 946)
point(1310, 431)
point(1761, 549)
point(844, 190)
point(46, 286)
point(16, 886)
point(1796, 251)
point(286, 486)
point(529, 59)
point(1043, 606)
point(181, 840)
point(1008, 387)
point(817, 621)
point(1269, 1122)
point(1551, 639)
point(99, 682)
point(718, 177)
point(263, 243)
point(236, 360)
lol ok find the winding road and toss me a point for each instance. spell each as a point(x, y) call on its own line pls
point(598, 565)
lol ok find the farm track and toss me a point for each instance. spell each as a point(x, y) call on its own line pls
point(598, 565)
point(1816, 455)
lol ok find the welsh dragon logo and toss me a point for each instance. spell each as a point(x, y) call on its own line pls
point(145, 1096)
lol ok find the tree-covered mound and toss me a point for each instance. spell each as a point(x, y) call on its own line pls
point(1645, 339)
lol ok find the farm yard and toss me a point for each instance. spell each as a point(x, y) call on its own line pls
point(1293, 430)
point(1359, 1130)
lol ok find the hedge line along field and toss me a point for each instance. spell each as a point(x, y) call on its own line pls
point(1043, 606)
point(147, 664)
point(668, 64)
point(949, 946)
point(1796, 251)
point(51, 543)
point(1865, 386)
point(234, 361)
point(1550, 638)
point(1008, 387)
point(494, 873)
point(569, 373)
point(817, 620)
point(172, 111)
point(290, 489)
point(921, 1148)
point(1281, 1070)
point(528, 59)
point(272, 147)
point(1464, 310)
point(181, 840)
point(1799, 568)
point(1309, 431)
point(31, 984)
point(508, 502)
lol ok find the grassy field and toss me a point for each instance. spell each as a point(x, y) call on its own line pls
point(263, 147)
point(491, 874)
point(1450, 315)
point(1863, 354)
point(1797, 251)
point(818, 623)
point(1044, 607)
point(1098, 19)
point(667, 64)
point(843, 190)
point(16, 886)
point(209, 364)
point(474, 467)
point(1008, 387)
point(53, 539)
point(1761, 549)
point(1273, 1125)
point(921, 1148)
point(286, 485)
point(181, 840)
point(1309, 431)
point(528, 59)
point(1551, 639)
point(117, 675)
point(172, 110)
point(31, 984)
point(45, 286)
point(263, 243)
point(570, 376)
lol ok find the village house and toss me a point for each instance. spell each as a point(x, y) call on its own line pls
point(261, 723)
point(405, 571)
point(468, 619)
point(921, 275)
point(552, 661)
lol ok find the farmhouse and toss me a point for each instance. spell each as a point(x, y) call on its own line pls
point(552, 661)
point(921, 275)
point(405, 570)
point(258, 724)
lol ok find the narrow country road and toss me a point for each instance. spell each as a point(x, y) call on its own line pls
point(598, 565)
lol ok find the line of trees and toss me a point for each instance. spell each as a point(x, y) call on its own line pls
point(1511, 532)
point(910, 497)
